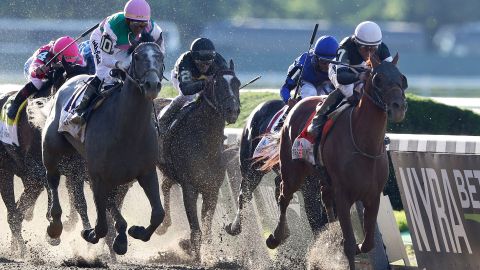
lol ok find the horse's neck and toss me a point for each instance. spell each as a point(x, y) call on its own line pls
point(132, 107)
point(368, 126)
point(212, 122)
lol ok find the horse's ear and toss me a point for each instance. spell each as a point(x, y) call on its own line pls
point(232, 66)
point(395, 59)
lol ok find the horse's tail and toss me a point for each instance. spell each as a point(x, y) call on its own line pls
point(38, 109)
point(270, 153)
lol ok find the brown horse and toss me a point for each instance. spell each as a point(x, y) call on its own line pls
point(353, 152)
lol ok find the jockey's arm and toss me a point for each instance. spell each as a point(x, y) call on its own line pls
point(192, 87)
point(346, 76)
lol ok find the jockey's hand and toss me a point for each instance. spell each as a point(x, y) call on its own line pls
point(362, 76)
point(291, 102)
point(121, 65)
point(41, 71)
point(353, 99)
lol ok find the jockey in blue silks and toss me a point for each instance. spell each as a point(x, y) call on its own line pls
point(314, 78)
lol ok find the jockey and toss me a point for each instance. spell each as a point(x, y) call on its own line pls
point(110, 45)
point(314, 80)
point(87, 55)
point(353, 51)
point(189, 76)
point(37, 70)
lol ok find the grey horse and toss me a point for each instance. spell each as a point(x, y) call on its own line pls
point(25, 161)
point(120, 146)
point(194, 153)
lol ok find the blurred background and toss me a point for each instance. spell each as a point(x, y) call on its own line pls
point(436, 39)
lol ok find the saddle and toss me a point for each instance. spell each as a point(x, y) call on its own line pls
point(303, 148)
point(69, 110)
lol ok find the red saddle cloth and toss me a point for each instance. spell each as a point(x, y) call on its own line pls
point(326, 128)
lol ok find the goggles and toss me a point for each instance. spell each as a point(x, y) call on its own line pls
point(204, 56)
point(367, 47)
point(138, 23)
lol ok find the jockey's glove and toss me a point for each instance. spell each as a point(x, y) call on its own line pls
point(121, 65)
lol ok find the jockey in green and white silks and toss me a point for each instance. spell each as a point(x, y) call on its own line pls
point(110, 44)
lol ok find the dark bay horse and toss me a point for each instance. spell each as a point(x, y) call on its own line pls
point(25, 161)
point(120, 146)
point(353, 152)
point(194, 154)
point(256, 126)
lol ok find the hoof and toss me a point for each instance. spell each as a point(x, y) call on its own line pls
point(54, 229)
point(139, 232)
point(53, 241)
point(120, 244)
point(271, 242)
point(89, 236)
point(233, 232)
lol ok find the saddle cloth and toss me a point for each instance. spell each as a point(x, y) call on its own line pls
point(67, 113)
point(271, 128)
point(303, 146)
point(8, 127)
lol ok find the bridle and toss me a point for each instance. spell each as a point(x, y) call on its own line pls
point(210, 88)
point(140, 81)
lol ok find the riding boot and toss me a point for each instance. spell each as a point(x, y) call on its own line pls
point(20, 97)
point(91, 91)
point(321, 116)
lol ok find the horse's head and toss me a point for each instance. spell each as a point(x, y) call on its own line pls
point(223, 94)
point(146, 68)
point(388, 87)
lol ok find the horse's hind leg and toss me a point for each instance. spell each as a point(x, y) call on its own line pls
point(54, 229)
point(247, 186)
point(8, 196)
point(167, 221)
point(78, 203)
point(369, 223)
point(149, 183)
point(292, 179)
point(313, 204)
point(343, 213)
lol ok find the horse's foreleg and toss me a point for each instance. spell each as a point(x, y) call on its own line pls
point(149, 183)
point(313, 204)
point(343, 213)
point(167, 221)
point(8, 195)
point(247, 186)
point(101, 228)
point(190, 196)
point(369, 223)
point(208, 211)
point(54, 229)
point(120, 243)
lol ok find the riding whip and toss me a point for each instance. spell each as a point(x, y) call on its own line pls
point(314, 34)
point(250, 82)
point(75, 40)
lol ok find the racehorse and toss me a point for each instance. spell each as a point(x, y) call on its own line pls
point(194, 153)
point(120, 145)
point(256, 126)
point(25, 161)
point(353, 153)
